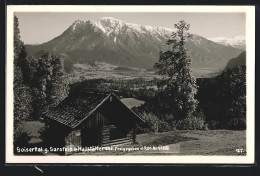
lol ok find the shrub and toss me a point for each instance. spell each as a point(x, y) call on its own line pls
point(163, 126)
point(21, 138)
point(213, 124)
point(205, 127)
point(236, 124)
point(191, 123)
point(142, 128)
point(152, 124)
point(201, 115)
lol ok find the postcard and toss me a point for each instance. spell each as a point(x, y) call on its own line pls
point(130, 84)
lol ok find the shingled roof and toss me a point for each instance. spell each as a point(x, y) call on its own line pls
point(74, 108)
point(77, 107)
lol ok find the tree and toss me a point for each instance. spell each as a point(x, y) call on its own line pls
point(223, 99)
point(178, 85)
point(233, 95)
point(22, 94)
point(58, 86)
point(51, 87)
point(43, 75)
point(29, 66)
point(17, 40)
point(26, 63)
point(22, 99)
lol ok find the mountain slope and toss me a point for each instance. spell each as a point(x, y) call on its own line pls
point(125, 44)
point(240, 60)
point(236, 42)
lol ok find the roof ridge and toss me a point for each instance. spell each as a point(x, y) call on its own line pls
point(72, 112)
point(92, 111)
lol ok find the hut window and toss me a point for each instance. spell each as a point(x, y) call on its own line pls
point(110, 98)
point(117, 134)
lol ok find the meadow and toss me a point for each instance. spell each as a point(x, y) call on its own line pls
point(183, 142)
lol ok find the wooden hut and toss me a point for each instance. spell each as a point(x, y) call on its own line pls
point(91, 119)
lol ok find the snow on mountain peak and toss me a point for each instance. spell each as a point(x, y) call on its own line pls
point(229, 40)
point(237, 41)
point(110, 25)
point(74, 25)
point(240, 38)
point(110, 19)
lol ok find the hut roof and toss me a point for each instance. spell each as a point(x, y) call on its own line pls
point(78, 107)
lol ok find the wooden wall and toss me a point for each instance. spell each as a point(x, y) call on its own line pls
point(96, 131)
point(107, 141)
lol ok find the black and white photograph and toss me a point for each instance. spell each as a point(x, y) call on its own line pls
point(130, 84)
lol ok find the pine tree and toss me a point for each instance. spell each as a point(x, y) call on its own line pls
point(17, 40)
point(178, 85)
point(28, 65)
point(22, 94)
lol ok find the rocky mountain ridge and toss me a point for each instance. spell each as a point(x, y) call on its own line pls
point(126, 44)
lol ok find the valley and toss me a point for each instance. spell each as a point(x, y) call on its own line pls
point(81, 72)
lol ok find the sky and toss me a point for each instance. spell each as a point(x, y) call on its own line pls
point(38, 27)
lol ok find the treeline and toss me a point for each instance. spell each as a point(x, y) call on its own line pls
point(138, 88)
point(39, 84)
point(222, 105)
point(223, 99)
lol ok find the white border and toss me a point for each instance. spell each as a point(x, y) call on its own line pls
point(250, 55)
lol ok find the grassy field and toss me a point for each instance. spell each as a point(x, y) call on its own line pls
point(211, 142)
point(33, 128)
point(132, 102)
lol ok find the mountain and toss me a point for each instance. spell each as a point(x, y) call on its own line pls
point(237, 42)
point(129, 45)
point(240, 60)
